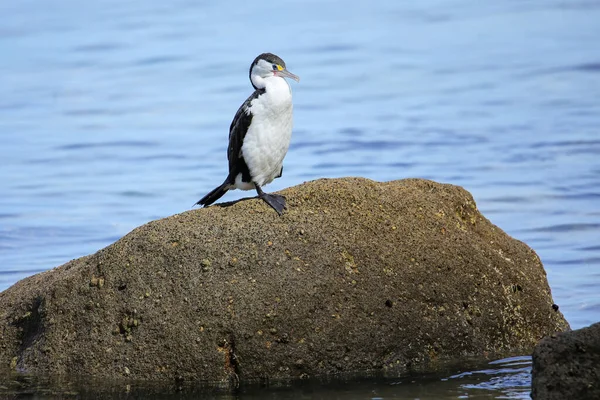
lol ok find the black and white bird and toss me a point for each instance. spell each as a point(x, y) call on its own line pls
point(260, 133)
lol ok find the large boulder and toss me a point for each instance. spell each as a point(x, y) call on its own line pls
point(357, 275)
point(567, 366)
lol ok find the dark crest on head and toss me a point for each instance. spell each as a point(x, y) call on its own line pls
point(268, 57)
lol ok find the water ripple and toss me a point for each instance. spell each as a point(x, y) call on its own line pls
point(121, 143)
point(98, 47)
point(512, 376)
point(559, 228)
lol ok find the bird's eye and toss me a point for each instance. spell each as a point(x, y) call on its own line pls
point(274, 67)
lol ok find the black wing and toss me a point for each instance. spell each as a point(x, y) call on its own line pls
point(237, 132)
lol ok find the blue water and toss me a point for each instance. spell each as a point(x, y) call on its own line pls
point(116, 113)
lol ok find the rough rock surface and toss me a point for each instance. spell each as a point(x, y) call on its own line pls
point(357, 275)
point(567, 365)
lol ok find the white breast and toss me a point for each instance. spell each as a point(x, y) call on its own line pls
point(268, 138)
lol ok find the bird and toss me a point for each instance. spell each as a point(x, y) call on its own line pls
point(260, 133)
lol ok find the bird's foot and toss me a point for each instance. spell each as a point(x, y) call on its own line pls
point(276, 201)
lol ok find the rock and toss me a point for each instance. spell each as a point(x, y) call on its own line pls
point(356, 276)
point(567, 365)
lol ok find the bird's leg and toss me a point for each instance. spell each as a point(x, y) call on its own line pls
point(276, 201)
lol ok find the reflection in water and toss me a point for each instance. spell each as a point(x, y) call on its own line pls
point(503, 379)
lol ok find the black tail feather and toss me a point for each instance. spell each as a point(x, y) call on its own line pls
point(214, 195)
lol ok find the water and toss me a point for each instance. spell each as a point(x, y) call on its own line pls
point(503, 379)
point(116, 113)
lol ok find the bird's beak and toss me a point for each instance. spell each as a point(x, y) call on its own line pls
point(284, 73)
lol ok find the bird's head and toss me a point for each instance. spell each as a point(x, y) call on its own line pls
point(266, 66)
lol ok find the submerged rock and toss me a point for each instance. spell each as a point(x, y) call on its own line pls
point(356, 276)
point(567, 365)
